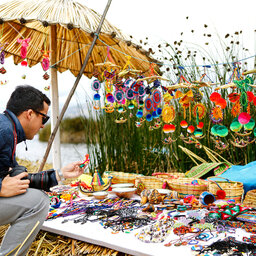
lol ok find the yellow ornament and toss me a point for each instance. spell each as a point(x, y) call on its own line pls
point(168, 114)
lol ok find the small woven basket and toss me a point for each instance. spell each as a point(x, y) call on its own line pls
point(233, 189)
point(185, 187)
point(168, 175)
point(121, 177)
point(250, 198)
point(149, 182)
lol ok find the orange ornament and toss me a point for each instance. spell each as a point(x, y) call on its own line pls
point(217, 113)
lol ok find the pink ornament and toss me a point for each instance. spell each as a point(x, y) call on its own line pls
point(24, 45)
point(45, 64)
point(244, 118)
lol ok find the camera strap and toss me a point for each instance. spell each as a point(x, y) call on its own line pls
point(14, 134)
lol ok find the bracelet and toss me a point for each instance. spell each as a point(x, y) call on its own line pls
point(60, 175)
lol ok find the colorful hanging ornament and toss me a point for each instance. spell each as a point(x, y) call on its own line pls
point(244, 118)
point(47, 88)
point(169, 128)
point(168, 114)
point(110, 98)
point(119, 96)
point(222, 103)
point(129, 94)
point(24, 45)
point(149, 117)
point(45, 63)
point(216, 115)
point(250, 125)
point(139, 123)
point(96, 85)
point(235, 126)
point(219, 130)
point(184, 124)
point(200, 125)
point(139, 113)
point(148, 104)
point(234, 97)
point(215, 96)
point(199, 110)
point(198, 133)
point(191, 129)
point(156, 97)
point(23, 52)
point(219, 144)
point(236, 109)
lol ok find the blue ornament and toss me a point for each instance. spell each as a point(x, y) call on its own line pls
point(159, 111)
point(149, 117)
point(139, 114)
point(155, 115)
point(96, 96)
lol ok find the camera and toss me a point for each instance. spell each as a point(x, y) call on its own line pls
point(38, 180)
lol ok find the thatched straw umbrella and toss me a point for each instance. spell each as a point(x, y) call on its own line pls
point(71, 32)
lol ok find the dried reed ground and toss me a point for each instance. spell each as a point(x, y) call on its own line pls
point(47, 243)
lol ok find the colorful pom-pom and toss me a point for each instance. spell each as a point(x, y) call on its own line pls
point(184, 124)
point(221, 102)
point(139, 114)
point(250, 96)
point(200, 125)
point(167, 128)
point(244, 118)
point(149, 117)
point(221, 194)
point(235, 126)
point(96, 96)
point(219, 130)
point(191, 129)
point(159, 111)
point(198, 133)
point(215, 96)
point(250, 125)
point(110, 98)
point(131, 106)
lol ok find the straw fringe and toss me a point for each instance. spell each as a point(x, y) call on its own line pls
point(72, 44)
point(49, 244)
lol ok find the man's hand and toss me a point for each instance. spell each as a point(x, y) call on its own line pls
point(73, 170)
point(13, 186)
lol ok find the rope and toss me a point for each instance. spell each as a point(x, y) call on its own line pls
point(157, 63)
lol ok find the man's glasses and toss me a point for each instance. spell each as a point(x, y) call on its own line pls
point(45, 117)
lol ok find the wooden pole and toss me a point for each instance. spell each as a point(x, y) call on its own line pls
point(72, 91)
point(56, 153)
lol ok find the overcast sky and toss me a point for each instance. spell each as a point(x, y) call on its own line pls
point(161, 20)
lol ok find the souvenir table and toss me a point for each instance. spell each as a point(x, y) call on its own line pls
point(126, 241)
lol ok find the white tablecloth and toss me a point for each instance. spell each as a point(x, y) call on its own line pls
point(93, 232)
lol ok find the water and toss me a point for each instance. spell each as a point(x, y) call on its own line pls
point(36, 151)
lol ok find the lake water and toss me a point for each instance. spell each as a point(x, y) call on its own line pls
point(36, 151)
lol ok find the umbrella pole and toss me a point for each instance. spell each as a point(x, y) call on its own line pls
point(72, 91)
point(56, 153)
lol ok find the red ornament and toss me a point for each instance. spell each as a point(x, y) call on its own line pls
point(250, 96)
point(221, 102)
point(215, 96)
point(234, 97)
point(24, 63)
